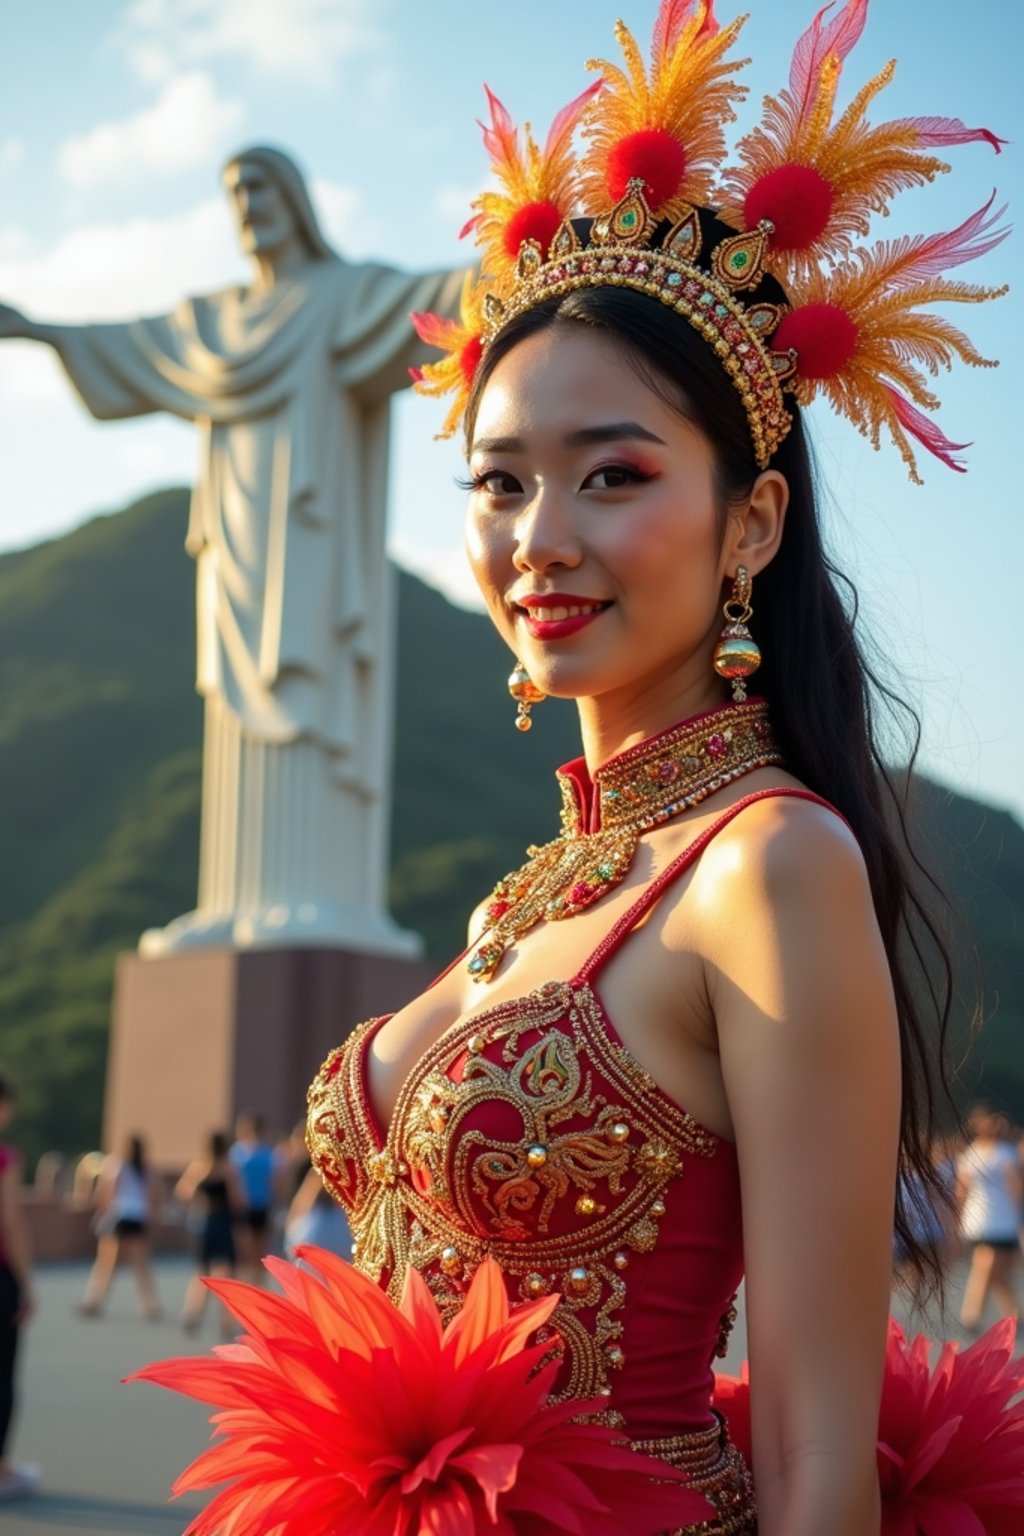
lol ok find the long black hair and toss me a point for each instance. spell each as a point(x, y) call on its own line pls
point(823, 692)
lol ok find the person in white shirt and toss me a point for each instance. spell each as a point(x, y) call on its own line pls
point(989, 1200)
point(125, 1204)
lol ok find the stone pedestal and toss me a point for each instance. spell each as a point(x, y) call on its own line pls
point(200, 1035)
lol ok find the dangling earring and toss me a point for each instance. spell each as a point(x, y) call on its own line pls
point(737, 656)
point(526, 693)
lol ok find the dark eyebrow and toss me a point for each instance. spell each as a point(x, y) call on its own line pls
point(614, 432)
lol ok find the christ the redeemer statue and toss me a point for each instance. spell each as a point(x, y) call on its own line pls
point(289, 382)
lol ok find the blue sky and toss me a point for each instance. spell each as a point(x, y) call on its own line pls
point(115, 117)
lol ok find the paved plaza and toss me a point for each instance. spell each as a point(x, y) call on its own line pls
point(110, 1453)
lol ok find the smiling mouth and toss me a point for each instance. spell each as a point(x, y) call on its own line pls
point(551, 613)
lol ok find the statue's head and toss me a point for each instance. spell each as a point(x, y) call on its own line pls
point(270, 202)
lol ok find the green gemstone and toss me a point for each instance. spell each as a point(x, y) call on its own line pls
point(706, 298)
point(628, 220)
point(738, 260)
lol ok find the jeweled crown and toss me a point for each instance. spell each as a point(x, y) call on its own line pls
point(774, 278)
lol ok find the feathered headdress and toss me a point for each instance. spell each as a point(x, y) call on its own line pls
point(764, 257)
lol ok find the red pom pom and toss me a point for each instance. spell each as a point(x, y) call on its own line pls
point(653, 154)
point(797, 199)
point(537, 221)
point(469, 359)
point(824, 336)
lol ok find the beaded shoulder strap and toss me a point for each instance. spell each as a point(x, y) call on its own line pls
point(679, 865)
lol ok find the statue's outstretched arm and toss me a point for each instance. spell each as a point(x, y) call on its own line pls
point(14, 326)
point(104, 363)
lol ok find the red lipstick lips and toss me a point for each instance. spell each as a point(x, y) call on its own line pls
point(555, 615)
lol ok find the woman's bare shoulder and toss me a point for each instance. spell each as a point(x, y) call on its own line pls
point(784, 848)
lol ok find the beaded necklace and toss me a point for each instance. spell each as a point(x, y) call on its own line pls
point(637, 790)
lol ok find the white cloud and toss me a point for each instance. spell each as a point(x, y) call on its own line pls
point(14, 242)
point(12, 151)
point(453, 203)
point(30, 375)
point(139, 267)
point(115, 271)
point(185, 127)
point(301, 40)
point(445, 568)
point(343, 218)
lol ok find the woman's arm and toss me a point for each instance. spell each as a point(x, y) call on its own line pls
point(106, 1184)
point(187, 1185)
point(14, 1237)
point(305, 1196)
point(802, 997)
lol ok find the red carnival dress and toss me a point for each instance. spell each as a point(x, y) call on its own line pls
point(528, 1133)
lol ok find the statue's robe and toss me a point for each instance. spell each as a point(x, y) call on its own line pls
point(291, 393)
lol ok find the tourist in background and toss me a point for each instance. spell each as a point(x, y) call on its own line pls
point(127, 1200)
point(253, 1157)
point(989, 1190)
point(931, 1210)
point(211, 1182)
point(313, 1216)
point(16, 1297)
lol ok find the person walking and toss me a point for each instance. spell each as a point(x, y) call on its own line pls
point(126, 1202)
point(17, 1302)
point(989, 1199)
point(314, 1219)
point(253, 1157)
point(213, 1183)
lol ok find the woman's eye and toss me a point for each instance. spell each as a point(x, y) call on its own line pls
point(496, 482)
point(612, 477)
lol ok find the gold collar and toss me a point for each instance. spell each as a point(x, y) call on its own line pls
point(603, 818)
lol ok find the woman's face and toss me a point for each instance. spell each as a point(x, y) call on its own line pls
point(590, 493)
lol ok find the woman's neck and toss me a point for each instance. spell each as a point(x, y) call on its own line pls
point(612, 722)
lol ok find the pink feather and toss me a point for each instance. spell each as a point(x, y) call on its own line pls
point(814, 47)
point(931, 255)
point(672, 18)
point(711, 23)
point(565, 121)
point(937, 132)
point(501, 139)
point(925, 431)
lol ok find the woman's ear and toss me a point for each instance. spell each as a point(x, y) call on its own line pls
point(755, 526)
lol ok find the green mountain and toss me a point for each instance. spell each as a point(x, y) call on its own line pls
point(100, 733)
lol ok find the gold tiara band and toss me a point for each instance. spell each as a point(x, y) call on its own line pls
point(736, 332)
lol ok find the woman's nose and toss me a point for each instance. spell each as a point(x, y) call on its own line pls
point(546, 534)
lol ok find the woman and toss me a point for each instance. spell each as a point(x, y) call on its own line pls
point(728, 1004)
point(989, 1193)
point(126, 1196)
point(699, 1051)
point(211, 1182)
point(17, 1301)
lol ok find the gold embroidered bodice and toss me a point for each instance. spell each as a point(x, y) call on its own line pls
point(528, 1132)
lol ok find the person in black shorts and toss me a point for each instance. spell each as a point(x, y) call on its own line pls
point(211, 1184)
point(253, 1158)
point(127, 1200)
